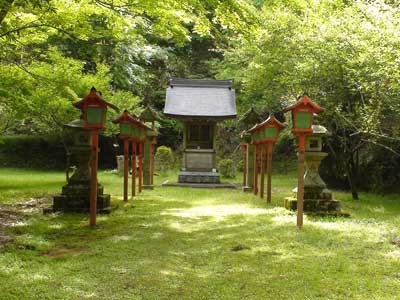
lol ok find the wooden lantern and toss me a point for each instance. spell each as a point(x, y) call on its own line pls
point(302, 117)
point(303, 114)
point(265, 133)
point(126, 125)
point(94, 110)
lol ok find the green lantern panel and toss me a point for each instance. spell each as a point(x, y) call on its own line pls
point(135, 132)
point(125, 129)
point(142, 133)
point(270, 133)
point(94, 115)
point(256, 136)
point(303, 119)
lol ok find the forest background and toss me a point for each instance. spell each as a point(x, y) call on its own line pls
point(344, 54)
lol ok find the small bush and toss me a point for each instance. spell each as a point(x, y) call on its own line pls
point(227, 168)
point(164, 159)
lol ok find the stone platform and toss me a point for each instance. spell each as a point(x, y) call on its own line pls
point(75, 198)
point(198, 177)
point(316, 200)
point(314, 205)
point(201, 185)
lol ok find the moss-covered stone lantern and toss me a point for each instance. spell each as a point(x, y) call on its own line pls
point(317, 198)
point(75, 194)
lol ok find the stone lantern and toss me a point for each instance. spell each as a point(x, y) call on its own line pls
point(317, 197)
point(75, 194)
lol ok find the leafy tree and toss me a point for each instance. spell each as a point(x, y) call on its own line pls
point(344, 55)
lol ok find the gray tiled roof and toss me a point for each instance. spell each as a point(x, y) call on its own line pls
point(200, 98)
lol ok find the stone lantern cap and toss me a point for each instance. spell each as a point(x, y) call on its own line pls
point(314, 140)
point(319, 130)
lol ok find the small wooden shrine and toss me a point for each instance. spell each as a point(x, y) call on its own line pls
point(199, 105)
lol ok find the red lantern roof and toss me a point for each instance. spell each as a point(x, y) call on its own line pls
point(270, 122)
point(93, 99)
point(303, 102)
point(125, 117)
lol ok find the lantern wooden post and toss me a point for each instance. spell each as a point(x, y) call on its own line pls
point(133, 168)
point(303, 116)
point(140, 166)
point(300, 180)
point(126, 166)
point(255, 169)
point(269, 172)
point(152, 162)
point(244, 146)
point(262, 170)
point(93, 176)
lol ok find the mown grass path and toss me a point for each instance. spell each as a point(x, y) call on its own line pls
point(179, 243)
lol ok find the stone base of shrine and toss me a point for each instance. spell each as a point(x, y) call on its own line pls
point(201, 185)
point(75, 198)
point(198, 177)
point(148, 187)
point(315, 205)
point(247, 189)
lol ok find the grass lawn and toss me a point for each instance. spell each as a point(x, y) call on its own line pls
point(177, 243)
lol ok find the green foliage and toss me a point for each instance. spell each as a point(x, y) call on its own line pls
point(227, 168)
point(164, 159)
point(45, 152)
point(343, 54)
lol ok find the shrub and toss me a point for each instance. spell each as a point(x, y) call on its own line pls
point(227, 168)
point(164, 159)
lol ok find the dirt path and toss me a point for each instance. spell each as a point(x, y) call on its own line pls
point(14, 215)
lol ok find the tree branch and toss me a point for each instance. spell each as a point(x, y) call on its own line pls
point(382, 145)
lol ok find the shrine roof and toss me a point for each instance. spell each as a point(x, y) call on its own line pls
point(195, 98)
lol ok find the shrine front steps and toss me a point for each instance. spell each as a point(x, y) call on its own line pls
point(201, 185)
point(198, 177)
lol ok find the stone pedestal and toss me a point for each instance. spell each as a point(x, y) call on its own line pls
point(75, 198)
point(148, 160)
point(317, 198)
point(75, 195)
point(249, 170)
point(120, 165)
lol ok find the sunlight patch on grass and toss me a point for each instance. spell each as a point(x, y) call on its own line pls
point(216, 211)
point(118, 238)
point(168, 273)
point(394, 254)
point(285, 219)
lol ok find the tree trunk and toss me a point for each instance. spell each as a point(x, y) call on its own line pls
point(350, 172)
